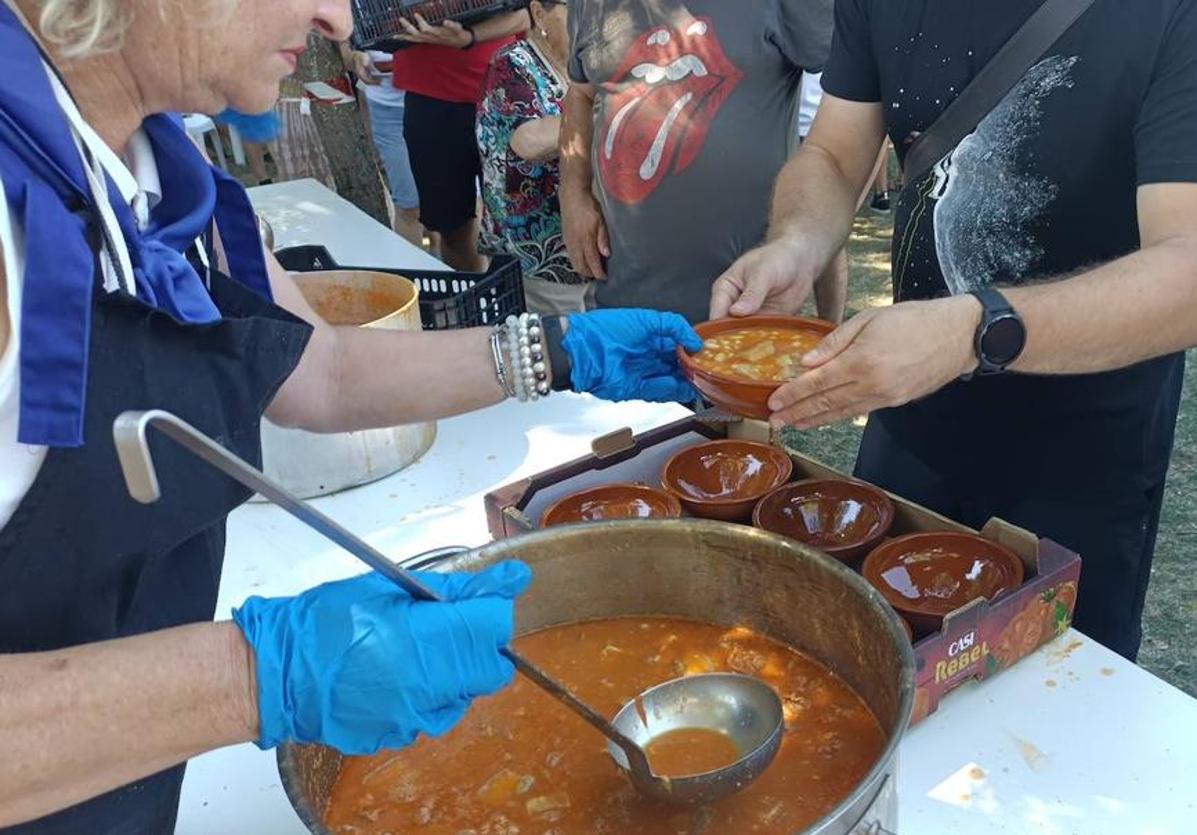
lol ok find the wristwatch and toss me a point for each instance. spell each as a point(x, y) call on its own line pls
point(473, 37)
point(1000, 337)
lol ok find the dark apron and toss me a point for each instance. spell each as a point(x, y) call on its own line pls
point(80, 561)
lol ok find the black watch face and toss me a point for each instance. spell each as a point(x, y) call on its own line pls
point(1004, 340)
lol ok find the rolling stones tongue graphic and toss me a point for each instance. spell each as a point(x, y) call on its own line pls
point(663, 100)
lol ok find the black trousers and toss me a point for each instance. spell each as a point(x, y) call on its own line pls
point(1115, 536)
point(443, 148)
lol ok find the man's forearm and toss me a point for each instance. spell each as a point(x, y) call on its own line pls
point(1138, 307)
point(78, 722)
point(577, 136)
point(501, 26)
point(813, 207)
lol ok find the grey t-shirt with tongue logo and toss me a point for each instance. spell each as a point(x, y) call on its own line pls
point(694, 118)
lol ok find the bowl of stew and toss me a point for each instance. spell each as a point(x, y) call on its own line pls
point(725, 479)
point(925, 576)
point(612, 501)
point(743, 361)
point(843, 519)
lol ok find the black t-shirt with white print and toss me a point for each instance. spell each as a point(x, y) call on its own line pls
point(1044, 187)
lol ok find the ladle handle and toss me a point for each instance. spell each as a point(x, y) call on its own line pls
point(635, 754)
point(546, 682)
point(141, 478)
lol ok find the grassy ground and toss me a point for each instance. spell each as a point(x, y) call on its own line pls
point(1170, 623)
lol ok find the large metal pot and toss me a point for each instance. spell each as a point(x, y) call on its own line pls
point(310, 464)
point(707, 571)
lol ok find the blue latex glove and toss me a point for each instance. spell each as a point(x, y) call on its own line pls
point(360, 666)
point(630, 354)
point(253, 127)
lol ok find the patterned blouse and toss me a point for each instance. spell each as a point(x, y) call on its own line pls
point(521, 214)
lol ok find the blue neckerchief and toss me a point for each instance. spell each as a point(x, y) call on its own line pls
point(46, 188)
point(253, 127)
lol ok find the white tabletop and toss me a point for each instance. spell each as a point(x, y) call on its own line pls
point(305, 212)
point(1071, 741)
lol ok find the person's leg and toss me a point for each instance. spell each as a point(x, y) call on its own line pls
point(831, 290)
point(1115, 537)
point(407, 224)
point(459, 247)
point(883, 461)
point(444, 159)
point(387, 131)
point(255, 156)
point(880, 201)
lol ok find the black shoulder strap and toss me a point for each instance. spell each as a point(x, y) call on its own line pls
point(992, 83)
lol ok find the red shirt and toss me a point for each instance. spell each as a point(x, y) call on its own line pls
point(446, 73)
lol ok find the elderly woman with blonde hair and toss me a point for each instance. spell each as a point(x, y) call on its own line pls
point(132, 276)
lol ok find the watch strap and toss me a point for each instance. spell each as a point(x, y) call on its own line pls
point(994, 303)
point(994, 306)
point(559, 363)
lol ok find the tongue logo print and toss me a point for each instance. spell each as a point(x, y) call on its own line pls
point(663, 99)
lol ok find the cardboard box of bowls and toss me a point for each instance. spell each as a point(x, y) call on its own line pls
point(921, 562)
point(975, 602)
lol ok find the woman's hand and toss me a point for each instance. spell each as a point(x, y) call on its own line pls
point(363, 67)
point(360, 665)
point(585, 232)
point(630, 354)
point(450, 33)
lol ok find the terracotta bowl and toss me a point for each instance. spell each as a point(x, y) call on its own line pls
point(739, 396)
point(725, 479)
point(844, 519)
point(926, 575)
point(612, 501)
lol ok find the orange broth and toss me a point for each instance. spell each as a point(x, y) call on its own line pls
point(689, 751)
point(757, 354)
point(519, 763)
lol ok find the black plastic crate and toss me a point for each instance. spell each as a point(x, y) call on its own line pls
point(448, 300)
point(376, 22)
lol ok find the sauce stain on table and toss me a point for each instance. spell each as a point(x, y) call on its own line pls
point(1059, 654)
point(1035, 759)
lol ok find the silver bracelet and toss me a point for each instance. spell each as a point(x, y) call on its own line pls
point(498, 355)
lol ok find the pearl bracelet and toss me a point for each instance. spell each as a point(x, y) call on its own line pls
point(523, 371)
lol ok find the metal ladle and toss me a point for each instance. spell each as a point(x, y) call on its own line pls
point(744, 708)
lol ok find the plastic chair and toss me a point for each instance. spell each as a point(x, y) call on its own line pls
point(238, 145)
point(200, 126)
